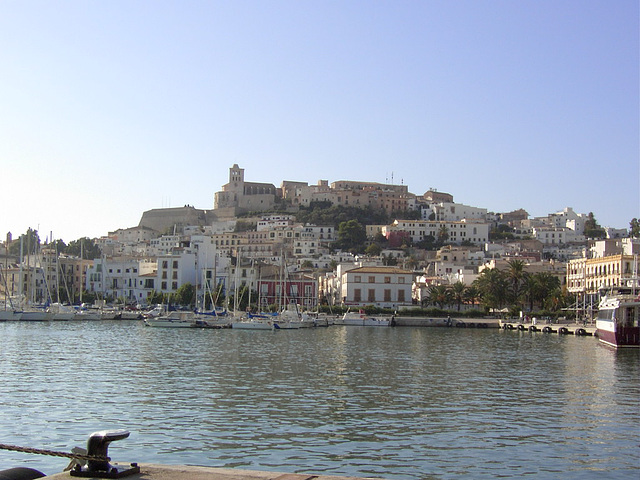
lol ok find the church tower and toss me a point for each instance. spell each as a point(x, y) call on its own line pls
point(236, 178)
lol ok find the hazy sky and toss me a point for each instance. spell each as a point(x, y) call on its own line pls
point(109, 109)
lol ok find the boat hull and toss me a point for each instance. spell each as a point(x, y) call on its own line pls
point(618, 322)
point(254, 325)
point(617, 335)
point(168, 323)
point(10, 315)
point(362, 320)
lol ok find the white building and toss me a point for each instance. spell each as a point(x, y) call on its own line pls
point(124, 279)
point(386, 287)
point(452, 212)
point(273, 221)
point(164, 244)
point(474, 232)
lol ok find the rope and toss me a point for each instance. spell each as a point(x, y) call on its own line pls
point(52, 453)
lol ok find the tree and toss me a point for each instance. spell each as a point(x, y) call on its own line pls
point(592, 229)
point(30, 242)
point(84, 247)
point(351, 235)
point(373, 250)
point(516, 277)
point(492, 286)
point(439, 295)
point(501, 232)
point(634, 228)
point(155, 297)
point(547, 286)
point(186, 294)
point(471, 295)
point(443, 234)
point(457, 292)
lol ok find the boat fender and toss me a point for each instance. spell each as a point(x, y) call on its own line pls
point(563, 330)
point(509, 326)
point(547, 330)
point(533, 328)
point(520, 327)
point(461, 325)
point(472, 325)
point(581, 331)
point(20, 473)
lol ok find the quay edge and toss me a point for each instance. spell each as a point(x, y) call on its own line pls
point(401, 321)
point(189, 472)
point(564, 328)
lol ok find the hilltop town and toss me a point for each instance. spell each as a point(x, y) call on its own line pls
point(254, 239)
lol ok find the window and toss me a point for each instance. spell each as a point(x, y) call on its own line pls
point(372, 279)
point(175, 264)
point(387, 295)
point(174, 285)
point(387, 279)
point(372, 295)
point(400, 279)
point(357, 295)
point(401, 296)
point(357, 279)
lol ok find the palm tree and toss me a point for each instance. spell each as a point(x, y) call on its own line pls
point(443, 234)
point(471, 295)
point(517, 279)
point(492, 286)
point(457, 292)
point(439, 295)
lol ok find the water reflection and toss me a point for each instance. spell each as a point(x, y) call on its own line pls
point(394, 402)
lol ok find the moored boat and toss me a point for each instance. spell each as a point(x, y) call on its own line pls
point(36, 314)
point(255, 322)
point(363, 320)
point(175, 319)
point(10, 315)
point(618, 321)
point(60, 312)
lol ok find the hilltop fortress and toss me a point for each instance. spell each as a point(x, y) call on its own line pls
point(239, 197)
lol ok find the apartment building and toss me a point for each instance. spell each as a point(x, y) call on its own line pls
point(610, 263)
point(386, 287)
point(457, 232)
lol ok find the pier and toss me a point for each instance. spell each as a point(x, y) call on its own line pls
point(188, 472)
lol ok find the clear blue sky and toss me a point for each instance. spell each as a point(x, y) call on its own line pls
point(108, 109)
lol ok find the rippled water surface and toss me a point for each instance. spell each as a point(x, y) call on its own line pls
point(400, 403)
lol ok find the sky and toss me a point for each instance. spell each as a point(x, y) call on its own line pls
point(110, 109)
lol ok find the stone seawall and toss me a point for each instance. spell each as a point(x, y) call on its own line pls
point(443, 322)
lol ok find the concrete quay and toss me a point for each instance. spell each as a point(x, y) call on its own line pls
point(188, 472)
point(459, 322)
point(563, 328)
point(559, 328)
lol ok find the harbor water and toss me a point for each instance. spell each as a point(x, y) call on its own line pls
point(400, 403)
